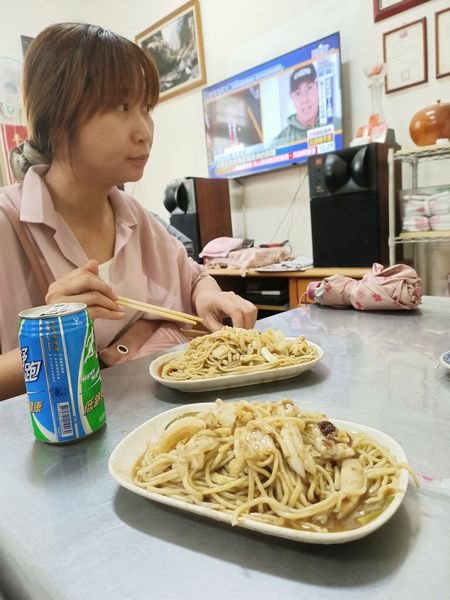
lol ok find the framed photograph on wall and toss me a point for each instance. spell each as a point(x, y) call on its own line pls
point(10, 137)
point(442, 25)
point(405, 55)
point(176, 45)
point(382, 9)
point(25, 40)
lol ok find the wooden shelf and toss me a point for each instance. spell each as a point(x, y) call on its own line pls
point(295, 282)
point(316, 272)
point(272, 307)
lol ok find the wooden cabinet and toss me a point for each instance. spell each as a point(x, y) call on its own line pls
point(287, 289)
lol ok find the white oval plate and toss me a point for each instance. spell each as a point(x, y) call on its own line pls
point(229, 381)
point(130, 449)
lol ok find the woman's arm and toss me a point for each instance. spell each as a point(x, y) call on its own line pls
point(212, 304)
point(11, 380)
point(80, 285)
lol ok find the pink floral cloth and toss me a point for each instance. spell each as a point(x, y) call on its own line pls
point(391, 288)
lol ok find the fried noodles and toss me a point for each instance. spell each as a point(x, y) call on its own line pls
point(235, 351)
point(274, 463)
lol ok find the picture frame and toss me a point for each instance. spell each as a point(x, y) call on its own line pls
point(442, 37)
point(405, 55)
point(25, 41)
point(11, 135)
point(176, 45)
point(382, 9)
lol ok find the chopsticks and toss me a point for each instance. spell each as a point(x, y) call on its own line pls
point(167, 313)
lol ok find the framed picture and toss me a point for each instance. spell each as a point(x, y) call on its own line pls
point(442, 25)
point(10, 137)
point(176, 45)
point(405, 55)
point(382, 9)
point(25, 40)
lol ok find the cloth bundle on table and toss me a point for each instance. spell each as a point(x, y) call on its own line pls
point(391, 288)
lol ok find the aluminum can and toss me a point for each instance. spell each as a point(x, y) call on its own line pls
point(62, 372)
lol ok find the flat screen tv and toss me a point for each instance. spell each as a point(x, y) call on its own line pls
point(277, 114)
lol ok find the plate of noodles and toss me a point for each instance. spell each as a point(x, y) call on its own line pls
point(234, 357)
point(267, 466)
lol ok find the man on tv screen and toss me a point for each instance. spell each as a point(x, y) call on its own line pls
point(305, 98)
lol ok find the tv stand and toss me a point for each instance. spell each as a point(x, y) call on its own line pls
point(288, 286)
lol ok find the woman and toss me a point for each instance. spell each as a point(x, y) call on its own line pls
point(88, 96)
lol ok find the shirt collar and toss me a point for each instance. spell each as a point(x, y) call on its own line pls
point(122, 210)
point(36, 205)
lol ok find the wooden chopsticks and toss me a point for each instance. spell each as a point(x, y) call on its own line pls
point(167, 313)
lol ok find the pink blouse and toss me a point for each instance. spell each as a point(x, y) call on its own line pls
point(148, 264)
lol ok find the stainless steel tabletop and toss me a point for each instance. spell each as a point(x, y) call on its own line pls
point(68, 531)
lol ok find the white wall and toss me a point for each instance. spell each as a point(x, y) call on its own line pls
point(239, 34)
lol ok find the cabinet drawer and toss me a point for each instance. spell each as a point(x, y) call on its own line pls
point(302, 286)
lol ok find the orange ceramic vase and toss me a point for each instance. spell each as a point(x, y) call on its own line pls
point(430, 124)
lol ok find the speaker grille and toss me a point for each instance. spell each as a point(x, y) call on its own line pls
point(345, 230)
point(188, 224)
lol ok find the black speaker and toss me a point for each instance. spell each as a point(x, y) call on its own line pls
point(200, 209)
point(349, 207)
point(188, 224)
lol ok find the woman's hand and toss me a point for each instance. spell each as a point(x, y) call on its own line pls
point(214, 305)
point(84, 285)
point(11, 374)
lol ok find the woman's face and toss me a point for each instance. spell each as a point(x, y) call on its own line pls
point(113, 147)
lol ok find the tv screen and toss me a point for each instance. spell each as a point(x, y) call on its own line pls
point(276, 114)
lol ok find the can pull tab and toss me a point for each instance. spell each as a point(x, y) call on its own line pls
point(122, 349)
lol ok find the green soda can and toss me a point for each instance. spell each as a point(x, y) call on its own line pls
point(62, 372)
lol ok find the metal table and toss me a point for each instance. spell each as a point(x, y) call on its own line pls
point(67, 531)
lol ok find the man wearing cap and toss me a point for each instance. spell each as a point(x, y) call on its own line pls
point(305, 97)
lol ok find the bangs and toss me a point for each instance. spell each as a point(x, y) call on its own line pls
point(74, 70)
point(119, 71)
